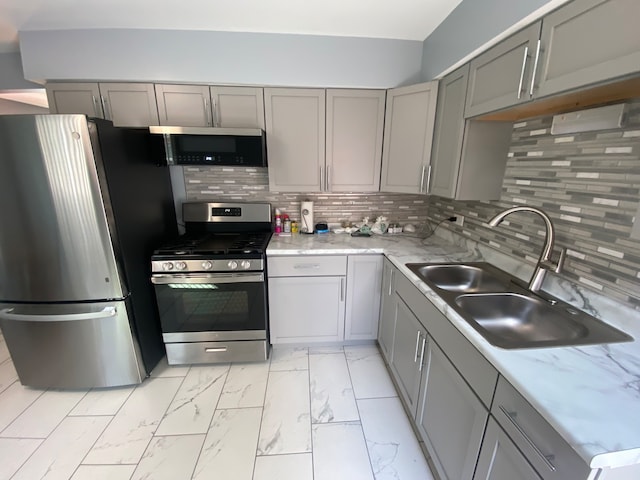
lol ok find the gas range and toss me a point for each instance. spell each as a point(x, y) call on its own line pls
point(210, 284)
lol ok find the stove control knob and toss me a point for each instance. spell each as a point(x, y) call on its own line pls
point(232, 264)
point(246, 264)
point(181, 265)
point(167, 266)
point(207, 265)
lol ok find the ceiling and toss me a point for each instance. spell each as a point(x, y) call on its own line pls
point(400, 19)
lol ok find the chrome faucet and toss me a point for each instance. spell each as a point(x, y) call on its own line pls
point(544, 262)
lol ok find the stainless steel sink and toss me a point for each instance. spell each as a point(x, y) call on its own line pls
point(458, 278)
point(508, 315)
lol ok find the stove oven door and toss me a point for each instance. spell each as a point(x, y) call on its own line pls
point(211, 307)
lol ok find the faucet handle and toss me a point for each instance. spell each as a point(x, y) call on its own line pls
point(560, 264)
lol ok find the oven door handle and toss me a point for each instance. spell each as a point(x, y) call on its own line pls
point(208, 278)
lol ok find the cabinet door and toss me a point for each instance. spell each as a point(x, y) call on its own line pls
point(306, 309)
point(450, 417)
point(449, 130)
point(364, 279)
point(501, 77)
point(355, 121)
point(587, 42)
point(387, 322)
point(74, 98)
point(184, 105)
point(295, 126)
point(238, 107)
point(408, 344)
point(408, 135)
point(500, 459)
point(129, 104)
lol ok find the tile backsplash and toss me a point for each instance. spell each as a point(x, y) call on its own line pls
point(252, 185)
point(589, 183)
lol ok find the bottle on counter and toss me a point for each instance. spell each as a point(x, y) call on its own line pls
point(278, 227)
point(286, 224)
point(294, 227)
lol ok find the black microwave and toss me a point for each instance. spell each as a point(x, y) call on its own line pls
point(241, 147)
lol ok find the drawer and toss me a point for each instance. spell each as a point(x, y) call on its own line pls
point(474, 368)
point(217, 352)
point(545, 449)
point(307, 266)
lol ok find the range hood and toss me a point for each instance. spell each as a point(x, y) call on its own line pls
point(242, 132)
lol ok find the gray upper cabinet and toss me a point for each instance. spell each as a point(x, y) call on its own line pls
point(184, 105)
point(469, 157)
point(450, 417)
point(295, 126)
point(355, 123)
point(408, 135)
point(586, 42)
point(449, 131)
point(75, 98)
point(129, 104)
point(501, 77)
point(500, 459)
point(125, 104)
point(238, 107)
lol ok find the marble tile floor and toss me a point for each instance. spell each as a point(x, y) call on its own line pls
point(306, 414)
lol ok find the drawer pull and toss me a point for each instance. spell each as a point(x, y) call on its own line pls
point(306, 266)
point(545, 458)
point(215, 350)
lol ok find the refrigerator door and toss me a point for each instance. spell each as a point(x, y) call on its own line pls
point(72, 345)
point(55, 242)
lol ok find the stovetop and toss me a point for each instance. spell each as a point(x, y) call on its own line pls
point(216, 244)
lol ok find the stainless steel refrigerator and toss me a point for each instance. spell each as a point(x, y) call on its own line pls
point(82, 204)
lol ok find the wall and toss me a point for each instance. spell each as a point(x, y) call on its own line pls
point(219, 57)
point(252, 184)
point(471, 25)
point(7, 107)
point(589, 183)
point(11, 76)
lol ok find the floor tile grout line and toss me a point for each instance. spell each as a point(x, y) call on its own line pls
point(29, 457)
point(23, 410)
point(313, 470)
point(264, 400)
point(215, 409)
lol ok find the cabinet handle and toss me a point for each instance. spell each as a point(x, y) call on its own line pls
point(342, 289)
point(105, 112)
point(95, 106)
point(545, 458)
point(415, 359)
point(422, 178)
point(214, 112)
point(535, 68)
point(524, 64)
point(328, 178)
point(424, 342)
point(207, 116)
point(321, 179)
point(426, 189)
point(391, 282)
point(306, 266)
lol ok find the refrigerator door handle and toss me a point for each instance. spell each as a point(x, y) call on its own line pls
point(6, 314)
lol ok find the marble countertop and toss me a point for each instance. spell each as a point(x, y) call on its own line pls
point(589, 394)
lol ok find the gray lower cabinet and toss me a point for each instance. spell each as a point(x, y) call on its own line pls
point(409, 342)
point(387, 321)
point(364, 278)
point(450, 417)
point(501, 77)
point(500, 459)
point(125, 104)
point(408, 136)
point(586, 42)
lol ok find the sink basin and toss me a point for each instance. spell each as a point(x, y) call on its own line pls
point(458, 277)
point(512, 320)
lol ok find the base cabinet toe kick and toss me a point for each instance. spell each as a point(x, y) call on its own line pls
point(474, 423)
